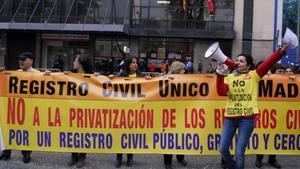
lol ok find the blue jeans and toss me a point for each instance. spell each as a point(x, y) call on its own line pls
point(245, 127)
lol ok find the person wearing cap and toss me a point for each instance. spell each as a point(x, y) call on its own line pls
point(25, 63)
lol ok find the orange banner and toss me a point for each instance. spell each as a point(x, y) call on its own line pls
point(102, 88)
point(179, 114)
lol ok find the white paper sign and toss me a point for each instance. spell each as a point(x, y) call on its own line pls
point(290, 38)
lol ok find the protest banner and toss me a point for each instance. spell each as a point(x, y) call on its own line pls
point(180, 115)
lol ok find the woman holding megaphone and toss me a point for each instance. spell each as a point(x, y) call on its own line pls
point(241, 108)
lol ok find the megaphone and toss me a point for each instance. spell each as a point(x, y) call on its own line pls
point(214, 52)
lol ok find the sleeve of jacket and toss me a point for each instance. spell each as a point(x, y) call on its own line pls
point(264, 67)
point(222, 88)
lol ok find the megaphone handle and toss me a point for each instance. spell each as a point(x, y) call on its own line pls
point(230, 63)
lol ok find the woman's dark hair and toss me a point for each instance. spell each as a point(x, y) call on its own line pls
point(249, 60)
point(276, 66)
point(86, 63)
point(127, 63)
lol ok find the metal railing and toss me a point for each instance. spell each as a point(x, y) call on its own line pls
point(85, 11)
point(48, 69)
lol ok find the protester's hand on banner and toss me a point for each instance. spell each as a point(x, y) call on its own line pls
point(47, 72)
point(147, 77)
point(171, 77)
point(222, 69)
point(293, 77)
point(67, 72)
point(111, 76)
point(97, 74)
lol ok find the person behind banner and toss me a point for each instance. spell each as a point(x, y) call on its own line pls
point(130, 70)
point(239, 113)
point(175, 68)
point(163, 67)
point(200, 66)
point(82, 64)
point(210, 69)
point(25, 60)
point(289, 70)
point(277, 68)
point(189, 67)
point(152, 67)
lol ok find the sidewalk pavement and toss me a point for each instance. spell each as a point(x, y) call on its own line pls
point(47, 160)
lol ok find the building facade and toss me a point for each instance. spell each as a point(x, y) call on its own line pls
point(156, 31)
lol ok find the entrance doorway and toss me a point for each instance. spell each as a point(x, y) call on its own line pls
point(59, 54)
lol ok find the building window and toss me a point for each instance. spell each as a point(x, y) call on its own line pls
point(164, 50)
point(59, 49)
point(176, 15)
